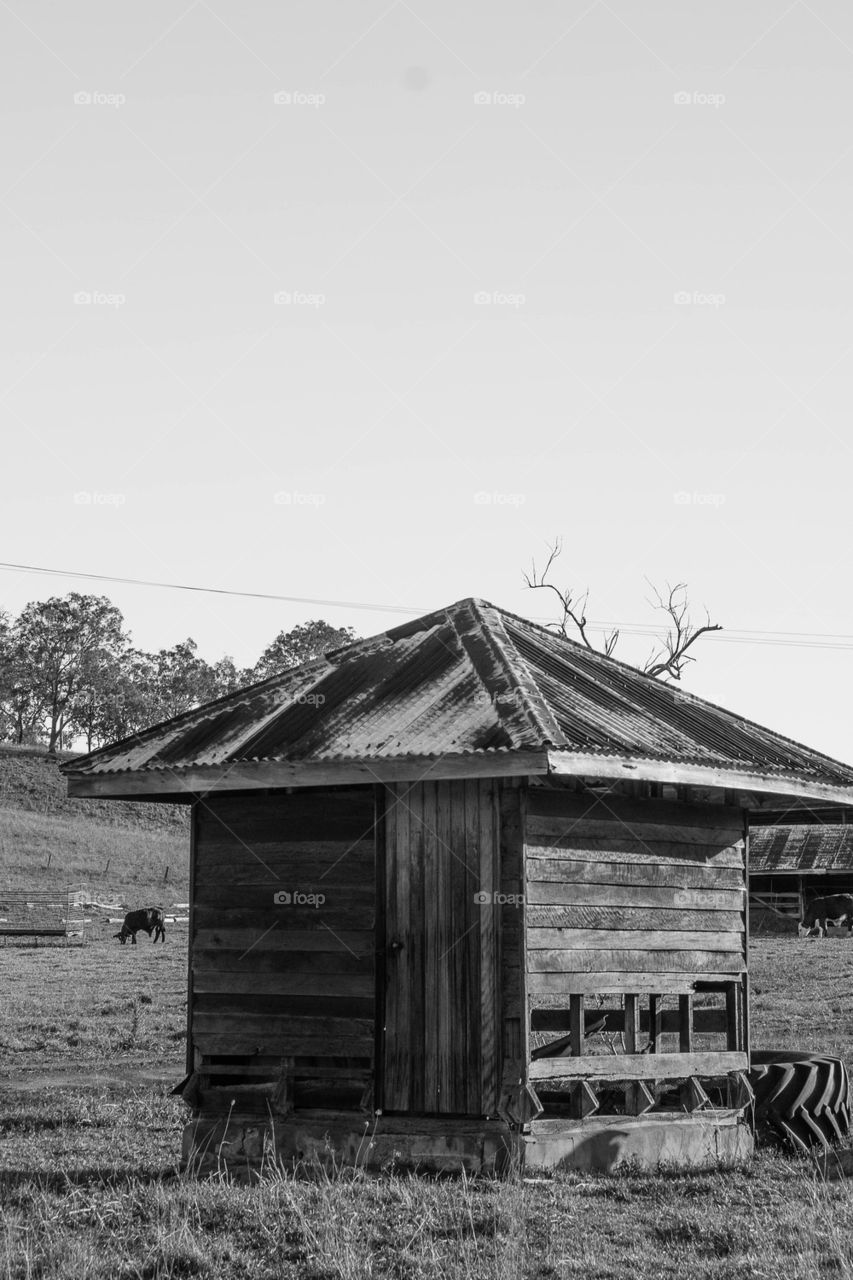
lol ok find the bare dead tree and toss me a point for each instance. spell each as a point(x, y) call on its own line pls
point(668, 658)
point(573, 607)
point(671, 657)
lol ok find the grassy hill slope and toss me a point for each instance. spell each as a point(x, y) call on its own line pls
point(129, 852)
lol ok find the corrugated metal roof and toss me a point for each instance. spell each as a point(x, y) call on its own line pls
point(801, 848)
point(468, 678)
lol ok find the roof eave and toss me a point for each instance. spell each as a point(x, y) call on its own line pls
point(261, 775)
point(749, 782)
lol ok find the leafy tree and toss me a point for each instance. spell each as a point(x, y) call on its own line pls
point(116, 699)
point(56, 642)
point(227, 678)
point(300, 644)
point(179, 680)
point(68, 672)
point(20, 705)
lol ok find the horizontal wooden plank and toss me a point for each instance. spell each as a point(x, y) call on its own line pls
point(336, 960)
point(344, 864)
point(564, 803)
point(724, 1117)
point(335, 1036)
point(230, 1039)
point(584, 916)
point(661, 874)
point(618, 939)
point(557, 802)
point(325, 1008)
point(639, 1066)
point(628, 850)
point(343, 814)
point(350, 942)
point(340, 920)
point(546, 893)
point(641, 836)
point(564, 963)
point(705, 1021)
point(608, 982)
point(310, 895)
point(247, 1071)
point(335, 985)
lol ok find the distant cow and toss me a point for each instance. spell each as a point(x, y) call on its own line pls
point(818, 914)
point(149, 919)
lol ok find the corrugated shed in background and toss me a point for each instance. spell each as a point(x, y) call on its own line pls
point(801, 848)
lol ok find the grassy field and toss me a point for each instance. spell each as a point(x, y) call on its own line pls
point(133, 853)
point(91, 1041)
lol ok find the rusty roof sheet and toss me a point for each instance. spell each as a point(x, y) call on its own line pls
point(803, 848)
point(467, 678)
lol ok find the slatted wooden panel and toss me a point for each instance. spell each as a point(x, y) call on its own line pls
point(279, 978)
point(441, 1012)
point(631, 896)
point(515, 1037)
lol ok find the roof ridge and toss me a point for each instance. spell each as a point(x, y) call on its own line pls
point(531, 706)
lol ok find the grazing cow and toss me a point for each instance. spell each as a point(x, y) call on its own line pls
point(838, 908)
point(149, 919)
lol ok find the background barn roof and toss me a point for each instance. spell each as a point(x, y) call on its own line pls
point(801, 848)
point(467, 679)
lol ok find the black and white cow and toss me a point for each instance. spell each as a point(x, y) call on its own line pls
point(149, 919)
point(837, 907)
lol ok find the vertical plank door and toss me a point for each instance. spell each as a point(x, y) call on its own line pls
point(440, 997)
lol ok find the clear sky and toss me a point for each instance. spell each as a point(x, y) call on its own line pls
point(370, 301)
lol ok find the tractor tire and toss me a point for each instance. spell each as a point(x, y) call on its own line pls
point(801, 1099)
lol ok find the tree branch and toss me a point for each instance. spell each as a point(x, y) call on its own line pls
point(667, 659)
point(573, 608)
point(671, 659)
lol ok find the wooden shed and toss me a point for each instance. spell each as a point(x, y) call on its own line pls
point(466, 892)
point(791, 863)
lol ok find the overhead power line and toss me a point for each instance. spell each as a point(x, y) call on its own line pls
point(216, 591)
point(733, 635)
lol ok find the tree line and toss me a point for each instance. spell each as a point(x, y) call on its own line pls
point(70, 673)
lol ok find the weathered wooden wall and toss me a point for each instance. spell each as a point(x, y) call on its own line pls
point(276, 979)
point(631, 896)
point(442, 1012)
